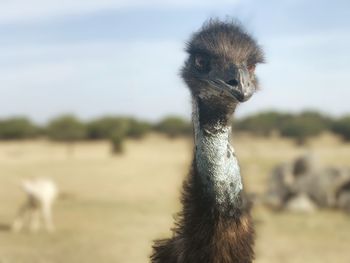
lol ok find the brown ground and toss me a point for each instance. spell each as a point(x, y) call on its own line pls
point(114, 206)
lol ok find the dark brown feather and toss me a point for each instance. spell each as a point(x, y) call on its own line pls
point(203, 235)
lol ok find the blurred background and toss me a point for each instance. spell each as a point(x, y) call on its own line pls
point(91, 100)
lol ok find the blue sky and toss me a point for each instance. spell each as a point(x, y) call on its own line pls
point(97, 57)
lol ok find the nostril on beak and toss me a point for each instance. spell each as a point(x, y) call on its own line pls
point(232, 82)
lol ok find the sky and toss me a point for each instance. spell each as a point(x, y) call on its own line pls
point(102, 57)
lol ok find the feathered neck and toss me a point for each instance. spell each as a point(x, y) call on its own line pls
point(215, 160)
point(215, 223)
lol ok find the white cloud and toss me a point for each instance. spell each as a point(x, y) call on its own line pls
point(14, 11)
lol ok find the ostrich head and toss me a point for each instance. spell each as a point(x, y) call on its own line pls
point(221, 65)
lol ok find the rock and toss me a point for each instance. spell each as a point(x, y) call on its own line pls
point(344, 201)
point(342, 194)
point(304, 165)
point(301, 204)
point(279, 186)
point(304, 186)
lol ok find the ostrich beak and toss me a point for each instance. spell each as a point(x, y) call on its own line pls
point(236, 83)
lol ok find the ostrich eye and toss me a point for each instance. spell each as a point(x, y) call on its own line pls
point(202, 63)
point(251, 68)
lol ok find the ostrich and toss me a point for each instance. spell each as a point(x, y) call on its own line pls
point(41, 193)
point(215, 225)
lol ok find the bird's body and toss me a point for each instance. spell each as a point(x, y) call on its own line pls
point(215, 225)
point(41, 194)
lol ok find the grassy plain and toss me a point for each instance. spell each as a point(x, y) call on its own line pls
point(114, 206)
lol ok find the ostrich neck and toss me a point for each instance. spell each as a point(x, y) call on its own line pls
point(215, 160)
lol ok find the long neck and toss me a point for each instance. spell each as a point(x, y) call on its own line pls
point(215, 160)
point(215, 223)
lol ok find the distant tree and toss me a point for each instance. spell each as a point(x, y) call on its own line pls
point(262, 124)
point(66, 128)
point(305, 125)
point(297, 126)
point(116, 129)
point(17, 128)
point(117, 141)
point(342, 127)
point(174, 126)
point(137, 129)
point(106, 127)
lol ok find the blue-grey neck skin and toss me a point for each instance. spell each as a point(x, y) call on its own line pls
point(216, 161)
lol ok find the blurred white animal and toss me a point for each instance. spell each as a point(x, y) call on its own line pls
point(41, 194)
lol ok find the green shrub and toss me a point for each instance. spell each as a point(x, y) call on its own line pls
point(342, 127)
point(262, 124)
point(66, 128)
point(304, 125)
point(174, 126)
point(137, 129)
point(105, 127)
point(17, 128)
point(116, 129)
point(297, 126)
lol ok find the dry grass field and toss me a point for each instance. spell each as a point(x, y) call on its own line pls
point(114, 206)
